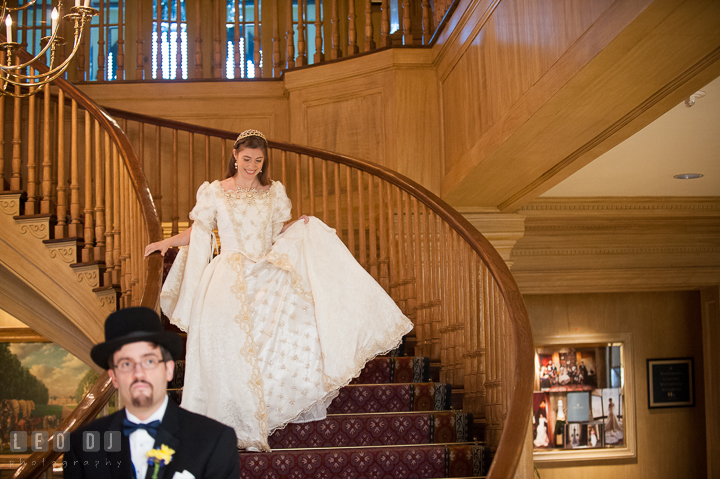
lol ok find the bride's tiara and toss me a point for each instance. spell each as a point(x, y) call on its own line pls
point(249, 133)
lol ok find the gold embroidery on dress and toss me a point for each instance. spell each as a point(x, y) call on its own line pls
point(239, 289)
point(282, 261)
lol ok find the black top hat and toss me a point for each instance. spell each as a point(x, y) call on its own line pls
point(130, 325)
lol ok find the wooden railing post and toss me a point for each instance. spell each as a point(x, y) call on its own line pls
point(369, 40)
point(385, 23)
point(87, 252)
point(75, 228)
point(139, 43)
point(178, 41)
point(120, 70)
point(352, 29)
point(319, 56)
point(406, 23)
point(31, 202)
point(289, 38)
point(100, 180)
point(276, 68)
point(218, 23)
point(335, 51)
point(198, 42)
point(101, 43)
point(258, 40)
point(158, 40)
point(61, 227)
point(302, 44)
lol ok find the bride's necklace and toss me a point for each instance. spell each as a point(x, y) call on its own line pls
point(241, 191)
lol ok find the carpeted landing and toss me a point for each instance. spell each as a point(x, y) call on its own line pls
point(391, 422)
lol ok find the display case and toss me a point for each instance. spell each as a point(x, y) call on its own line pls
point(583, 400)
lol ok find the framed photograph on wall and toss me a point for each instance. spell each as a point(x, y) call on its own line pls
point(670, 382)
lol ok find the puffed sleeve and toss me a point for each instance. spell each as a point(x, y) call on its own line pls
point(178, 291)
point(282, 207)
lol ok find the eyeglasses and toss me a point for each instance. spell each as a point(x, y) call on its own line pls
point(127, 365)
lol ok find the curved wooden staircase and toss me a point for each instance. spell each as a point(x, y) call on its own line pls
point(470, 320)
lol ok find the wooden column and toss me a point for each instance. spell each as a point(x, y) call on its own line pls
point(198, 43)
point(31, 202)
point(61, 227)
point(319, 56)
point(99, 251)
point(335, 51)
point(75, 229)
point(236, 42)
point(385, 23)
point(406, 23)
point(258, 40)
point(369, 34)
point(117, 216)
point(302, 44)
point(101, 43)
point(158, 40)
point(289, 38)
point(87, 252)
point(178, 41)
point(277, 69)
point(352, 29)
point(218, 63)
point(120, 70)
point(139, 43)
point(109, 213)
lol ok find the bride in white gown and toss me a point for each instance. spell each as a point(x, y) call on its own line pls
point(282, 318)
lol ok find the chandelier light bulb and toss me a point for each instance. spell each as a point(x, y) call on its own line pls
point(8, 28)
point(54, 16)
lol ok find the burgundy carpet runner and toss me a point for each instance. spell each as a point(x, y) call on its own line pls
point(391, 422)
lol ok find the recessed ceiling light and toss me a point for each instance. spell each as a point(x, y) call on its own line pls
point(688, 176)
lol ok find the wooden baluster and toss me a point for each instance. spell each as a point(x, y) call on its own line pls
point(80, 68)
point(369, 34)
point(361, 221)
point(15, 178)
point(61, 227)
point(311, 178)
point(236, 42)
point(437, 271)
point(101, 43)
point(87, 252)
point(410, 260)
point(319, 56)
point(117, 271)
point(2, 131)
point(401, 241)
point(126, 240)
point(458, 288)
point(406, 23)
point(191, 173)
point(276, 66)
point(352, 29)
point(324, 191)
point(223, 155)
point(99, 251)
point(31, 201)
point(385, 23)
point(298, 186)
point(157, 194)
point(109, 213)
point(120, 238)
point(289, 38)
point(302, 44)
point(425, 301)
point(383, 261)
point(447, 302)
point(335, 51)
point(257, 42)
point(338, 215)
point(75, 229)
point(175, 218)
point(198, 43)
point(218, 62)
point(417, 264)
point(283, 163)
point(137, 248)
point(372, 229)
point(350, 222)
point(158, 40)
point(120, 71)
point(207, 159)
point(46, 204)
point(426, 32)
point(140, 56)
point(393, 269)
point(141, 145)
point(178, 41)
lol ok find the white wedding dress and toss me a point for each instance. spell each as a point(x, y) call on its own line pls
point(276, 323)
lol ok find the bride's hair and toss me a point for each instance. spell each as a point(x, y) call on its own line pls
point(254, 142)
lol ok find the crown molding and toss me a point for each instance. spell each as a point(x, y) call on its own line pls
point(623, 206)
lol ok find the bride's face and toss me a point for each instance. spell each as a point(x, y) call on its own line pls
point(249, 163)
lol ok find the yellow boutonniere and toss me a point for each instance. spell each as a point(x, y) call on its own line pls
point(159, 457)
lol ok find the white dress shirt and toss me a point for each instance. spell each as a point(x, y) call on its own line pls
point(141, 441)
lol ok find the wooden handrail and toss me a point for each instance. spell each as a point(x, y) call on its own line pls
point(102, 390)
point(511, 441)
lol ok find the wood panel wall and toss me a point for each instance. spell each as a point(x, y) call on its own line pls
point(670, 442)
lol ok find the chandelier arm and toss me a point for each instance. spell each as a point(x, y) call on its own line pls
point(50, 76)
point(51, 42)
point(34, 91)
point(23, 7)
point(59, 68)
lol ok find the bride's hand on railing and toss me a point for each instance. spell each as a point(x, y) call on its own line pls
point(161, 246)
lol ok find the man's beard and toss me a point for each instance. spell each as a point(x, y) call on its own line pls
point(143, 401)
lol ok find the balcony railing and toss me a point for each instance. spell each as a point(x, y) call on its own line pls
point(230, 39)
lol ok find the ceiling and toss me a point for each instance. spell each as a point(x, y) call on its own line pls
point(683, 140)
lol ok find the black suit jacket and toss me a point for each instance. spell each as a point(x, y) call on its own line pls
point(203, 446)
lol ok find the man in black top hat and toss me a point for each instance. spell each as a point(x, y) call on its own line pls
point(139, 356)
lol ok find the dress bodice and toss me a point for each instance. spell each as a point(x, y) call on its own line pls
point(247, 221)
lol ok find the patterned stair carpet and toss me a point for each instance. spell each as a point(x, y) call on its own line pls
point(391, 422)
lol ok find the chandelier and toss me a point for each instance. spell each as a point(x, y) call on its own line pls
point(14, 73)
